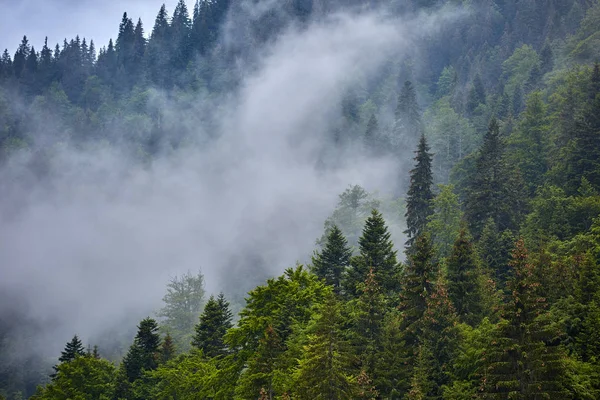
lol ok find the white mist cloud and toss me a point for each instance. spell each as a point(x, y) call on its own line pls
point(101, 236)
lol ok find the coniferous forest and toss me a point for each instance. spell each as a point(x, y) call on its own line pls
point(471, 272)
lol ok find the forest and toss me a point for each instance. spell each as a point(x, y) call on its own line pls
point(472, 271)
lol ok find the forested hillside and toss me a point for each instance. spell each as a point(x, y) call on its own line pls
point(471, 270)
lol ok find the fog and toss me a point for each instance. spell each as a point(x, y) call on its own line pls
point(97, 240)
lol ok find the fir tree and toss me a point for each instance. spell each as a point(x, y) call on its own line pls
point(463, 281)
point(476, 94)
point(167, 349)
point(331, 263)
point(373, 143)
point(214, 323)
point(377, 253)
point(524, 362)
point(408, 126)
point(419, 197)
point(324, 369)
point(417, 285)
point(368, 313)
point(72, 350)
point(491, 193)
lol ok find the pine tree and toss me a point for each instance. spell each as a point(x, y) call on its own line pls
point(494, 249)
point(324, 369)
point(419, 197)
point(463, 281)
point(377, 253)
point(331, 263)
point(368, 313)
point(214, 323)
point(72, 350)
point(167, 349)
point(408, 126)
point(583, 158)
point(491, 193)
point(524, 362)
point(417, 285)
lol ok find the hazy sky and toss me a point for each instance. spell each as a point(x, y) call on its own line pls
point(60, 19)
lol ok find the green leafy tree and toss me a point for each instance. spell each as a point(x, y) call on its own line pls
point(184, 302)
point(332, 262)
point(85, 378)
point(376, 253)
point(214, 323)
point(419, 197)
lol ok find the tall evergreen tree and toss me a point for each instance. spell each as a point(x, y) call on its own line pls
point(491, 194)
point(464, 288)
point(331, 263)
point(417, 285)
point(377, 253)
point(214, 323)
point(419, 197)
point(367, 314)
point(524, 362)
point(583, 158)
point(408, 125)
point(325, 366)
point(167, 349)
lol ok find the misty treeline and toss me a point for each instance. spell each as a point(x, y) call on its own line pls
point(496, 296)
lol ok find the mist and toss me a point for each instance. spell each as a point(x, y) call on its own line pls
point(97, 238)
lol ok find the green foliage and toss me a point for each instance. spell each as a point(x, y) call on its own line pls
point(214, 323)
point(325, 369)
point(331, 263)
point(184, 302)
point(83, 378)
point(444, 223)
point(376, 253)
point(464, 281)
point(420, 196)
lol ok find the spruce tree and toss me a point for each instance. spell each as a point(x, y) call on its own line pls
point(377, 253)
point(331, 263)
point(524, 361)
point(324, 368)
point(372, 139)
point(419, 197)
point(214, 323)
point(72, 350)
point(367, 315)
point(583, 157)
point(417, 285)
point(167, 349)
point(491, 192)
point(463, 281)
point(408, 126)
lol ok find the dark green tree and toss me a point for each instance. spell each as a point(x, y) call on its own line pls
point(331, 263)
point(419, 198)
point(583, 158)
point(476, 94)
point(463, 276)
point(72, 350)
point(325, 368)
point(492, 192)
point(524, 362)
point(214, 323)
point(418, 281)
point(376, 253)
